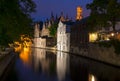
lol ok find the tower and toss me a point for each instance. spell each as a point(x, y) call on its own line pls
point(36, 30)
point(67, 19)
point(62, 17)
point(52, 18)
point(79, 13)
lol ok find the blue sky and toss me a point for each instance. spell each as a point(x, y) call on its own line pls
point(45, 7)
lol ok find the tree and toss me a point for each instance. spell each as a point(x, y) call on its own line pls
point(113, 12)
point(4, 38)
point(53, 29)
point(104, 13)
point(15, 18)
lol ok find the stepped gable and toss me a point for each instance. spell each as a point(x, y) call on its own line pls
point(36, 30)
point(45, 31)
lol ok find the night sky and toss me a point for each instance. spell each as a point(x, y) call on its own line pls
point(45, 7)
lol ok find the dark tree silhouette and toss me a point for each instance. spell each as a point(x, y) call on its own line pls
point(15, 17)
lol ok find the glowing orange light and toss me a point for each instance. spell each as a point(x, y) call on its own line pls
point(92, 77)
point(25, 42)
point(112, 34)
point(24, 55)
point(17, 46)
point(79, 13)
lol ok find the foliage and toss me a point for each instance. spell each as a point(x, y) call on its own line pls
point(103, 11)
point(113, 42)
point(53, 29)
point(116, 44)
point(105, 44)
point(113, 11)
point(4, 38)
point(15, 18)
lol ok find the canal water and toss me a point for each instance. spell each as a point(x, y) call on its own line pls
point(43, 65)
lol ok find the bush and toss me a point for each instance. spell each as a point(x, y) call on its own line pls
point(114, 42)
point(105, 44)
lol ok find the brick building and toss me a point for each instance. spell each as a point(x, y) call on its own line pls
point(79, 36)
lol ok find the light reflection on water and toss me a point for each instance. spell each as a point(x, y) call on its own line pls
point(25, 55)
point(47, 66)
point(92, 77)
point(40, 60)
point(62, 65)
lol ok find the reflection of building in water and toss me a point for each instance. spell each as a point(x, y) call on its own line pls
point(82, 69)
point(78, 72)
point(62, 65)
point(40, 60)
point(40, 54)
point(92, 77)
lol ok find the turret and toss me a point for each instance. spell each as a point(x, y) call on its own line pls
point(52, 18)
point(62, 17)
point(49, 24)
point(36, 30)
point(79, 13)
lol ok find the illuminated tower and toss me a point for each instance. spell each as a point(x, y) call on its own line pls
point(79, 13)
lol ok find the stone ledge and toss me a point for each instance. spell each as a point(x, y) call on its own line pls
point(4, 64)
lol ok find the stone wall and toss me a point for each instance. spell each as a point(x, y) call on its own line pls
point(104, 54)
point(50, 42)
point(40, 42)
point(96, 52)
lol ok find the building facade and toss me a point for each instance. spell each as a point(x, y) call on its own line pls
point(106, 33)
point(38, 41)
point(45, 31)
point(79, 36)
point(109, 32)
point(36, 31)
point(42, 37)
point(63, 36)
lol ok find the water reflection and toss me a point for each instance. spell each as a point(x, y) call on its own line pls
point(88, 70)
point(50, 63)
point(44, 62)
point(45, 65)
point(40, 60)
point(92, 77)
point(25, 55)
point(62, 65)
point(78, 72)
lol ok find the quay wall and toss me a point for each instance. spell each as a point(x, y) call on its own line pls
point(95, 52)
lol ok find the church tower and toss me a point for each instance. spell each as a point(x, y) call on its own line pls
point(79, 13)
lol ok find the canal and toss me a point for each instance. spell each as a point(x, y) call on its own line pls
point(43, 65)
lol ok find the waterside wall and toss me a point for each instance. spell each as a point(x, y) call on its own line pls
point(95, 52)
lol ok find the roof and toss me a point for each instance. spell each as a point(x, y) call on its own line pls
point(68, 22)
point(84, 20)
